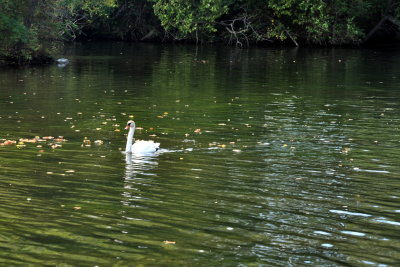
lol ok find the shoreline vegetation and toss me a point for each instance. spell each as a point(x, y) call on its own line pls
point(31, 31)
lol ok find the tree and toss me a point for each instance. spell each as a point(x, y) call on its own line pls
point(190, 19)
point(31, 30)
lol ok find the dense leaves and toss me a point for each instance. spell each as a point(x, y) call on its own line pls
point(31, 29)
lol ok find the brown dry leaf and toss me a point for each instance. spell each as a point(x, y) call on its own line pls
point(9, 142)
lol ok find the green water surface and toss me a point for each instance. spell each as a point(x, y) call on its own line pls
point(270, 157)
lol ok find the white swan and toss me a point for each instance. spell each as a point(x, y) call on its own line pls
point(140, 146)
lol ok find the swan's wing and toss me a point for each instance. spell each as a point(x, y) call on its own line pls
point(145, 146)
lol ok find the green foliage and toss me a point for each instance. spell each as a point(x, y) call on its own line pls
point(76, 14)
point(20, 38)
point(125, 20)
point(183, 18)
point(33, 29)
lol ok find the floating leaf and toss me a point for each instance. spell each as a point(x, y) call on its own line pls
point(86, 141)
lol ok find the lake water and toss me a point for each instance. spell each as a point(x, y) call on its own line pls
point(270, 157)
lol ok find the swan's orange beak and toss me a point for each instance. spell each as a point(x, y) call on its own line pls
point(126, 127)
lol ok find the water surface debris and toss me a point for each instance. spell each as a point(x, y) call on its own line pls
point(8, 143)
point(98, 142)
point(21, 145)
point(86, 142)
point(22, 141)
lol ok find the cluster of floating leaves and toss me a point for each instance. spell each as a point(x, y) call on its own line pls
point(88, 143)
point(53, 142)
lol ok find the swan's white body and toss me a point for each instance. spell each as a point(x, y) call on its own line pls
point(140, 146)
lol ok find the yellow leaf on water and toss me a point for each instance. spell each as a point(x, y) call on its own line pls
point(77, 208)
point(169, 242)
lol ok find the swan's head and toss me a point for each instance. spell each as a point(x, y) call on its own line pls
point(130, 124)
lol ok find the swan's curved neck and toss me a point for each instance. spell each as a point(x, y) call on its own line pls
point(129, 140)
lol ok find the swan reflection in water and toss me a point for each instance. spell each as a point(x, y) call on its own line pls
point(138, 172)
point(139, 164)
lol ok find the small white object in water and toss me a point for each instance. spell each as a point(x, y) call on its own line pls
point(99, 142)
point(62, 60)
